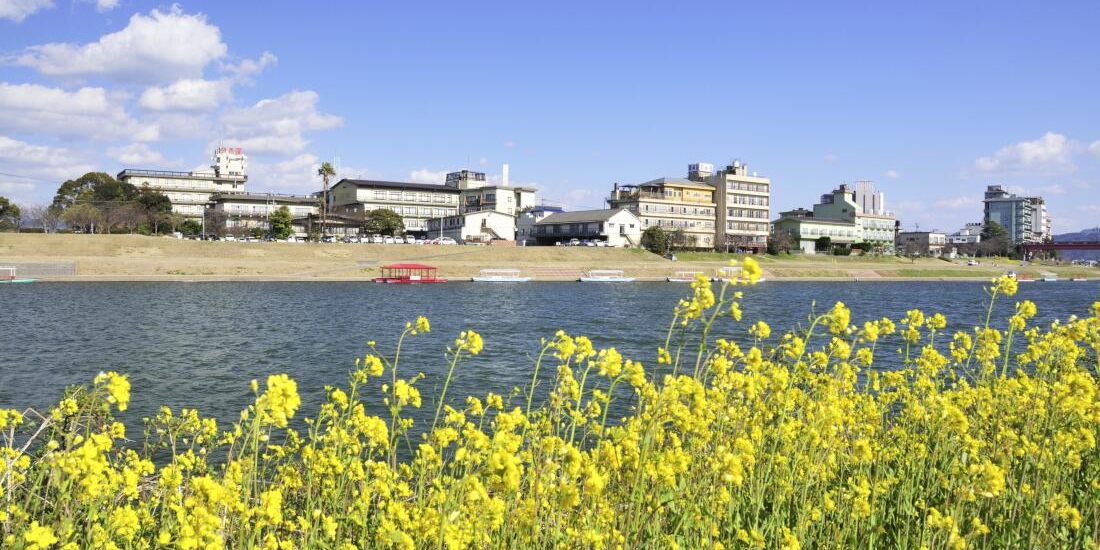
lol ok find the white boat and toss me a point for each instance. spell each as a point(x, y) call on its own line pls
point(7, 275)
point(683, 277)
point(606, 276)
point(1049, 277)
point(726, 274)
point(500, 276)
point(1079, 279)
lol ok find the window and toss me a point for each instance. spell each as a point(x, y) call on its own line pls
point(395, 195)
point(439, 198)
point(379, 194)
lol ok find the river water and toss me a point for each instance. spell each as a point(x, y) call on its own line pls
point(199, 344)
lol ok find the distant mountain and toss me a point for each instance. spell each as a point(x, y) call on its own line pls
point(1086, 235)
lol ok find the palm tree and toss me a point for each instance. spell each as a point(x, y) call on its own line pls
point(325, 171)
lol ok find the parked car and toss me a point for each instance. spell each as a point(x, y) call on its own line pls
point(442, 240)
point(376, 239)
point(573, 242)
point(972, 262)
point(388, 239)
point(230, 238)
point(351, 239)
point(409, 239)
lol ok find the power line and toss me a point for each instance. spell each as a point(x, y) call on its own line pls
point(25, 177)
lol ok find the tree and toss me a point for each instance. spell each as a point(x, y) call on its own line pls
point(655, 240)
point(79, 189)
point(384, 221)
point(281, 223)
point(325, 171)
point(155, 205)
point(215, 222)
point(995, 240)
point(10, 215)
point(175, 221)
point(190, 227)
point(678, 239)
point(780, 241)
point(823, 242)
point(84, 216)
point(44, 216)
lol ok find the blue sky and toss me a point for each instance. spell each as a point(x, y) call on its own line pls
point(932, 101)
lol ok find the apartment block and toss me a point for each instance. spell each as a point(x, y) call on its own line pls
point(742, 205)
point(672, 204)
point(1024, 218)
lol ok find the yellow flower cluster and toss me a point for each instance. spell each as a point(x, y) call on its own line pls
point(803, 444)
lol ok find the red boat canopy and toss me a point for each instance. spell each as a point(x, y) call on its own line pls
point(407, 266)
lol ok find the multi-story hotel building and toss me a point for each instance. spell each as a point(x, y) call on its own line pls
point(839, 217)
point(1024, 218)
point(743, 205)
point(244, 211)
point(672, 204)
point(415, 202)
point(478, 195)
point(191, 192)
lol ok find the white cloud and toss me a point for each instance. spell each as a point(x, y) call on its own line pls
point(276, 125)
point(427, 176)
point(355, 173)
point(892, 174)
point(1095, 148)
point(18, 10)
point(86, 113)
point(482, 161)
point(509, 144)
point(831, 158)
point(160, 47)
point(1050, 153)
point(297, 175)
point(1056, 189)
point(187, 94)
point(960, 203)
point(40, 163)
point(136, 154)
point(246, 69)
point(1090, 208)
point(104, 6)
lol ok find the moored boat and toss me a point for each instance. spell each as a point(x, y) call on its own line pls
point(606, 276)
point(409, 274)
point(500, 276)
point(1049, 277)
point(683, 276)
point(1079, 279)
point(7, 275)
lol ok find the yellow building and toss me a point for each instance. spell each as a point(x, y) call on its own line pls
point(672, 204)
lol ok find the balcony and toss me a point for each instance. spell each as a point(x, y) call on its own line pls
point(628, 196)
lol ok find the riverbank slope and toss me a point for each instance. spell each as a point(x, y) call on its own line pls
point(67, 257)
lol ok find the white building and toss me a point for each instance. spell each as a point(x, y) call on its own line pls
point(244, 211)
point(190, 192)
point(415, 202)
point(478, 195)
point(481, 227)
point(619, 227)
point(525, 223)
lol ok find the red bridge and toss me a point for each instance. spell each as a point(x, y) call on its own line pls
point(1070, 245)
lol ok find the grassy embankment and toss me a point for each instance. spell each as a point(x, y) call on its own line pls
point(131, 257)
